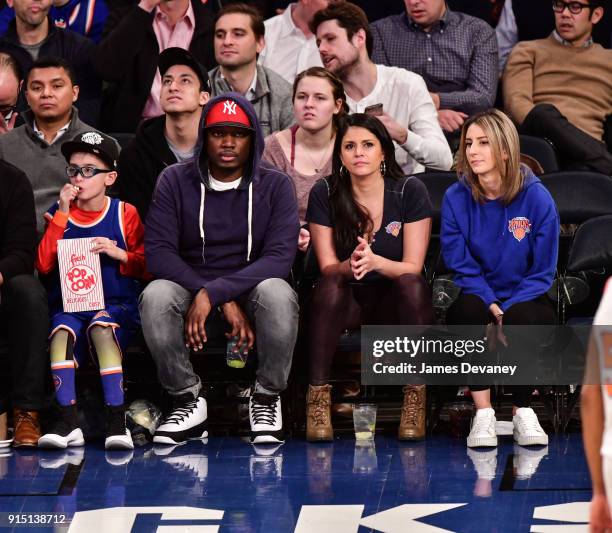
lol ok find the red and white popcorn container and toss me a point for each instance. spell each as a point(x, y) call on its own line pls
point(80, 275)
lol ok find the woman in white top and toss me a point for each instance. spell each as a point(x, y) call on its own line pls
point(304, 151)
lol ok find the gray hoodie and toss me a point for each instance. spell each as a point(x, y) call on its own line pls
point(273, 101)
point(42, 163)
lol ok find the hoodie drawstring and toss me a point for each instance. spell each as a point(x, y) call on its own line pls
point(249, 218)
point(201, 218)
point(250, 222)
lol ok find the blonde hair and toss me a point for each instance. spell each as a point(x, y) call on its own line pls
point(504, 141)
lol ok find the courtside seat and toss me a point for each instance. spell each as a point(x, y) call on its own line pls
point(542, 150)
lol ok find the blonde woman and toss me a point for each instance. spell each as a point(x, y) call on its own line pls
point(304, 151)
point(499, 234)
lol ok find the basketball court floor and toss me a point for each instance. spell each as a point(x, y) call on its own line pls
point(227, 485)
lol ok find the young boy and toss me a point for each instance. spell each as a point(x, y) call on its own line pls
point(116, 232)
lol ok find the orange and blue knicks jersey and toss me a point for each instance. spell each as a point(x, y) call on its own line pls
point(110, 223)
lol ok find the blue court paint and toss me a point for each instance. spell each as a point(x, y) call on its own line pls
point(227, 485)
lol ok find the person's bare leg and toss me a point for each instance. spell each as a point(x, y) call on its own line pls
point(482, 398)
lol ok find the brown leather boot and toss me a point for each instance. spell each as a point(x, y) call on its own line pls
point(318, 413)
point(27, 428)
point(412, 423)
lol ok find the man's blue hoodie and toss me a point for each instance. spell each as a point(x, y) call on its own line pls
point(501, 253)
point(224, 241)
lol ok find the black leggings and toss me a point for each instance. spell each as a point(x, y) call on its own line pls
point(469, 309)
point(338, 305)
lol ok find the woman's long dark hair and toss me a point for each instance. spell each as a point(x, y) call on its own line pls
point(351, 219)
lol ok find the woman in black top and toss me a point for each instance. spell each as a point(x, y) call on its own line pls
point(370, 229)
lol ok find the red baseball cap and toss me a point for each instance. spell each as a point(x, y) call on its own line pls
point(227, 113)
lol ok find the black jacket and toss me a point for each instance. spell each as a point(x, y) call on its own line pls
point(127, 57)
point(75, 49)
point(141, 162)
point(17, 222)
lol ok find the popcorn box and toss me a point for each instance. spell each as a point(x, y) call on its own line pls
point(80, 276)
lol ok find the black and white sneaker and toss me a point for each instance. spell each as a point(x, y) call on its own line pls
point(186, 421)
point(266, 419)
point(118, 436)
point(64, 431)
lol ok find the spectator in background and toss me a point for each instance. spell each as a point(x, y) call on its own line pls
point(525, 20)
point(51, 92)
point(86, 17)
point(127, 56)
point(304, 151)
point(32, 35)
point(398, 97)
point(11, 79)
point(167, 139)
point(456, 54)
point(290, 45)
point(569, 106)
point(23, 309)
point(370, 230)
point(239, 37)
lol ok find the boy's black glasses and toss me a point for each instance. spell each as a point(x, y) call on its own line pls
point(86, 172)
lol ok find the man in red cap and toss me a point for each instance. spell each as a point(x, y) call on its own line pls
point(220, 238)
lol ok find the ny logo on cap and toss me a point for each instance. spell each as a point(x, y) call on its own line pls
point(229, 107)
point(92, 137)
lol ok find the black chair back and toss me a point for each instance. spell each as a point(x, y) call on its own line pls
point(580, 196)
point(437, 183)
point(592, 246)
point(540, 149)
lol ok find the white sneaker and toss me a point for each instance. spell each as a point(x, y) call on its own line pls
point(527, 460)
point(527, 429)
point(71, 456)
point(119, 457)
point(266, 463)
point(266, 419)
point(483, 429)
point(187, 421)
point(485, 463)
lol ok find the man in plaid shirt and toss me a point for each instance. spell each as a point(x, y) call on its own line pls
point(456, 54)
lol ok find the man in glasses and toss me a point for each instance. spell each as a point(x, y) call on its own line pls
point(561, 87)
point(10, 84)
point(51, 93)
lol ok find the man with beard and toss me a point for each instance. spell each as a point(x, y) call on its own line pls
point(398, 98)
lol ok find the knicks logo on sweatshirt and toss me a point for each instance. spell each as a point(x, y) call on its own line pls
point(519, 226)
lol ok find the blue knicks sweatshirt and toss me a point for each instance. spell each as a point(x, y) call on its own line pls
point(501, 253)
point(224, 241)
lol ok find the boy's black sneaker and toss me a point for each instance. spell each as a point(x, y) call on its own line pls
point(118, 436)
point(64, 431)
point(187, 421)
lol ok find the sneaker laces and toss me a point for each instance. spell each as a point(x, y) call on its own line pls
point(181, 411)
point(481, 424)
point(529, 422)
point(264, 410)
point(25, 416)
